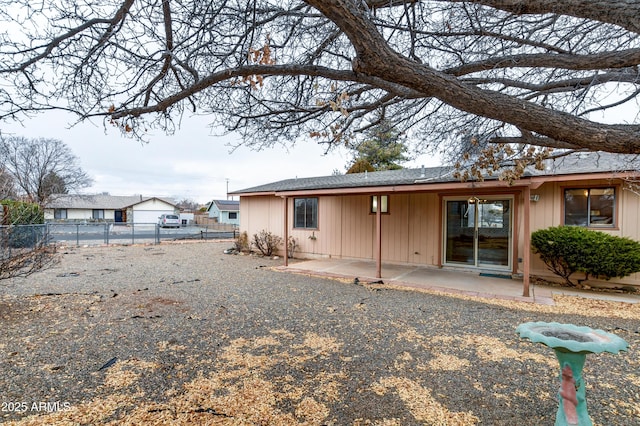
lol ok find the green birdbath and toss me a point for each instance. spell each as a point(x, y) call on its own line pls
point(571, 345)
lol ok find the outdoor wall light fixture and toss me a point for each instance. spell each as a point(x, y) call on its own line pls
point(474, 200)
point(384, 204)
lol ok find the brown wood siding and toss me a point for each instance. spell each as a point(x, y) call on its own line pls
point(630, 211)
point(263, 212)
point(395, 230)
point(549, 211)
point(424, 229)
point(358, 228)
point(326, 239)
point(412, 231)
point(629, 208)
point(346, 228)
point(330, 217)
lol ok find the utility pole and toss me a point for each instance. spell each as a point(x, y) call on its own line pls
point(227, 179)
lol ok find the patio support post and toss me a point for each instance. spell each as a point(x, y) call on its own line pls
point(379, 236)
point(286, 231)
point(526, 242)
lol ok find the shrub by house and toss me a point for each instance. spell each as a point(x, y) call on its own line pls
point(567, 250)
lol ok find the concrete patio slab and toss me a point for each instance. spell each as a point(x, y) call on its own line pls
point(472, 283)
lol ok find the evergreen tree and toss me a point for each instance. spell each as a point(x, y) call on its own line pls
point(383, 149)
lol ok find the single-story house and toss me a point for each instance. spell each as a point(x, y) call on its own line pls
point(426, 216)
point(187, 218)
point(225, 211)
point(107, 208)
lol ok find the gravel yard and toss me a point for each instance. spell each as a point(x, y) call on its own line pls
point(184, 334)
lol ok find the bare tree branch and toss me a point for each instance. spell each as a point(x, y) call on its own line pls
point(605, 60)
point(25, 245)
point(531, 73)
point(41, 167)
point(619, 12)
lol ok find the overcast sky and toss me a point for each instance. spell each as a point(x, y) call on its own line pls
point(193, 164)
point(190, 164)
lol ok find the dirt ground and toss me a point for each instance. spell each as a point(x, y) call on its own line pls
point(184, 334)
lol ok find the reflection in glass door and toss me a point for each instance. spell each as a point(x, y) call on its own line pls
point(460, 233)
point(478, 232)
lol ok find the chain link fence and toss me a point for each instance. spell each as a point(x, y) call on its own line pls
point(27, 236)
point(23, 236)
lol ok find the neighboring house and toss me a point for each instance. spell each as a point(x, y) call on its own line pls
point(427, 217)
point(187, 218)
point(225, 211)
point(107, 208)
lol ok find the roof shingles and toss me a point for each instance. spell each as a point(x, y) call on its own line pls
point(99, 201)
point(572, 164)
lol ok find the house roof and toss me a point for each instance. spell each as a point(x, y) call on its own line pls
point(226, 205)
point(98, 201)
point(577, 163)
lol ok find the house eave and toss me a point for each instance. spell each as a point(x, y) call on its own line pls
point(150, 199)
point(252, 194)
point(537, 181)
point(420, 187)
point(533, 182)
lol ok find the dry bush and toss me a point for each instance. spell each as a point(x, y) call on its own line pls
point(292, 245)
point(24, 261)
point(266, 242)
point(241, 243)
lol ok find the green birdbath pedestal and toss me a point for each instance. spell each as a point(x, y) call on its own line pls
point(571, 345)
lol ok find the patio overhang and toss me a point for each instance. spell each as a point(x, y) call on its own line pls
point(399, 189)
point(521, 189)
point(426, 185)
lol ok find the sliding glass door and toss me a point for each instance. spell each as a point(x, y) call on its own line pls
point(478, 232)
